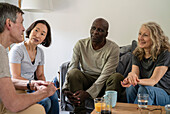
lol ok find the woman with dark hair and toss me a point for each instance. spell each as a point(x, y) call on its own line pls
point(150, 67)
point(27, 60)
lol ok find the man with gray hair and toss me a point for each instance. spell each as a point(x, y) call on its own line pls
point(11, 31)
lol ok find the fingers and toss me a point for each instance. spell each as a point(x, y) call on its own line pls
point(69, 93)
point(73, 99)
point(51, 89)
point(125, 84)
point(132, 78)
point(132, 81)
point(76, 93)
point(138, 80)
point(122, 84)
point(58, 88)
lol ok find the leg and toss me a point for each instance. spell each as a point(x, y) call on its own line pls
point(56, 84)
point(46, 103)
point(33, 109)
point(113, 83)
point(54, 104)
point(131, 93)
point(157, 96)
point(79, 81)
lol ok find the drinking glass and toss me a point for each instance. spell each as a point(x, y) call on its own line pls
point(167, 108)
point(113, 97)
point(106, 105)
point(98, 104)
point(143, 100)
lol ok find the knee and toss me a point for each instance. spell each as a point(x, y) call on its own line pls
point(37, 109)
point(115, 78)
point(72, 74)
point(144, 89)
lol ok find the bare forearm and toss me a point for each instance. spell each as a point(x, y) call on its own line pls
point(43, 78)
point(16, 102)
point(19, 77)
point(147, 82)
point(23, 101)
point(20, 84)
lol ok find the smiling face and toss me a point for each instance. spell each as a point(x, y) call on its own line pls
point(144, 40)
point(38, 34)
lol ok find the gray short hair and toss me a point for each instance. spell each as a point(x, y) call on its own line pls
point(8, 11)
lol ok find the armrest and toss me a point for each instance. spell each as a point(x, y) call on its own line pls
point(63, 71)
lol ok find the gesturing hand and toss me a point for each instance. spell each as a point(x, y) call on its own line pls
point(49, 90)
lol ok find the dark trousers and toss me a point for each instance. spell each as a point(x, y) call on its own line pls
point(78, 80)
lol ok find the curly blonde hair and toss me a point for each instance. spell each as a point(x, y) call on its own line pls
point(160, 42)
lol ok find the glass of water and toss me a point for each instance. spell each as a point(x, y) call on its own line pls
point(167, 108)
point(143, 100)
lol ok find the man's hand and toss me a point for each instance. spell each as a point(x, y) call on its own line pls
point(70, 96)
point(35, 84)
point(50, 89)
point(81, 96)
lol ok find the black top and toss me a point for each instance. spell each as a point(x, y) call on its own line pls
point(147, 66)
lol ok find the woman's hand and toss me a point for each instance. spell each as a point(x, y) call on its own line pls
point(125, 83)
point(132, 79)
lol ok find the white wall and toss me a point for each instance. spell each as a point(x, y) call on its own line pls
point(71, 20)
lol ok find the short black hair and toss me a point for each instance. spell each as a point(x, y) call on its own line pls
point(47, 40)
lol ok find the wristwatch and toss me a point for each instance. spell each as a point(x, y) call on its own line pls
point(28, 85)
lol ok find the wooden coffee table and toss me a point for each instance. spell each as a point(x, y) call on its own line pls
point(127, 108)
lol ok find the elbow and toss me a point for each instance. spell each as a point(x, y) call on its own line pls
point(12, 109)
point(152, 85)
point(14, 106)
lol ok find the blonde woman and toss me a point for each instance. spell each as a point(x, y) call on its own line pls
point(150, 67)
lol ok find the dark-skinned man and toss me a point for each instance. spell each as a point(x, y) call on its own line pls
point(98, 58)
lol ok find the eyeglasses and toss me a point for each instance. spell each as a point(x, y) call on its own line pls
point(150, 109)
